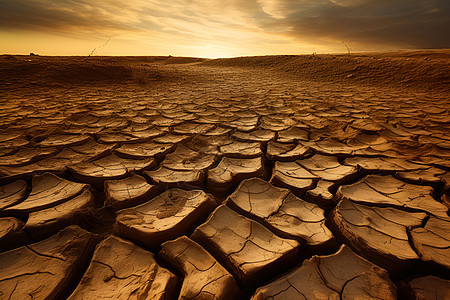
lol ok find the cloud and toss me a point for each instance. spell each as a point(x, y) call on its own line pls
point(401, 23)
point(248, 25)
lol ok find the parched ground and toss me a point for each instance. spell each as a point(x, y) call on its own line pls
point(276, 177)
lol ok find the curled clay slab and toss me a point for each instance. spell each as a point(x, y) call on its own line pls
point(372, 145)
point(321, 194)
point(244, 124)
point(13, 144)
point(92, 150)
point(167, 216)
point(383, 164)
point(167, 178)
point(116, 137)
point(431, 176)
point(181, 115)
point(230, 171)
point(121, 270)
point(165, 122)
point(432, 241)
point(328, 168)
point(219, 140)
point(128, 192)
point(239, 149)
point(332, 147)
point(46, 269)
point(212, 118)
point(343, 275)
point(369, 140)
point(286, 151)
point(145, 150)
point(259, 135)
point(8, 135)
point(11, 233)
point(56, 164)
point(293, 176)
point(445, 199)
point(13, 193)
point(293, 134)
point(107, 168)
point(378, 233)
point(437, 141)
point(148, 133)
point(170, 139)
point(387, 190)
point(26, 156)
point(47, 190)
point(64, 140)
point(110, 121)
point(367, 126)
point(186, 159)
point(46, 221)
point(251, 251)
point(203, 144)
point(428, 287)
point(204, 277)
point(218, 131)
point(282, 212)
point(192, 128)
point(276, 124)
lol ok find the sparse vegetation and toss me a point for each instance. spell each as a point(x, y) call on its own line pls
point(348, 49)
point(95, 49)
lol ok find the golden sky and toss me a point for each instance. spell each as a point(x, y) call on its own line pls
point(220, 28)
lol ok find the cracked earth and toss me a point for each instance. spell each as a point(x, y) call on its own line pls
point(202, 180)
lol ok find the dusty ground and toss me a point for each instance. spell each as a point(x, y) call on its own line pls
point(238, 178)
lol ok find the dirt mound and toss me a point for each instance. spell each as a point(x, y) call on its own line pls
point(50, 71)
point(162, 60)
point(183, 60)
point(424, 70)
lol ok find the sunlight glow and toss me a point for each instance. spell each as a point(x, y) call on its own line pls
point(213, 28)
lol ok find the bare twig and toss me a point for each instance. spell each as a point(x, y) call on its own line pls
point(92, 52)
point(348, 49)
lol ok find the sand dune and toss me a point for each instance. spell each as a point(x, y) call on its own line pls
point(424, 70)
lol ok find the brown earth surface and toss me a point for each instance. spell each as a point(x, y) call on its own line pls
point(272, 177)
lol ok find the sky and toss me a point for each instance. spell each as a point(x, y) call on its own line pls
point(220, 28)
